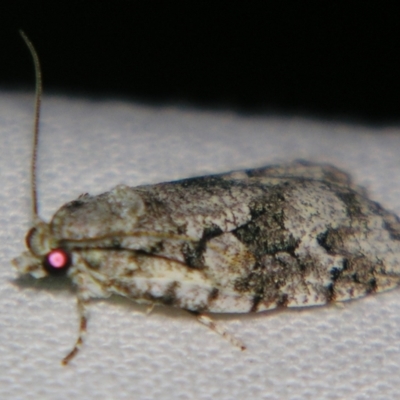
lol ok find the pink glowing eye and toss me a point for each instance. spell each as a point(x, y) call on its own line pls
point(57, 261)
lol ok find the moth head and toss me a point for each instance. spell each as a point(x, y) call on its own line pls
point(44, 256)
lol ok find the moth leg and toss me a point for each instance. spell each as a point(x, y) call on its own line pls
point(339, 305)
point(150, 308)
point(207, 321)
point(82, 312)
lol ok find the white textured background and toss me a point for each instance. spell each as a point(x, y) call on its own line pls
point(90, 146)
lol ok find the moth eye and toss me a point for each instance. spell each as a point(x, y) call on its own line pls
point(57, 262)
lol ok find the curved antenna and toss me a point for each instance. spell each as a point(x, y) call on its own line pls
point(38, 97)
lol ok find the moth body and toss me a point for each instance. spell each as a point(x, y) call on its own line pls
point(290, 235)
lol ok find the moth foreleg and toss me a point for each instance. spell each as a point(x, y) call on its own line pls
point(150, 308)
point(82, 312)
point(207, 321)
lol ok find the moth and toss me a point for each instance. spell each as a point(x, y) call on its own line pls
point(292, 235)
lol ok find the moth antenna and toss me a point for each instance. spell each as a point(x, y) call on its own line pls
point(38, 98)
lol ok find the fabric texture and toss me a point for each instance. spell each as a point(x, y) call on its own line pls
point(91, 146)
